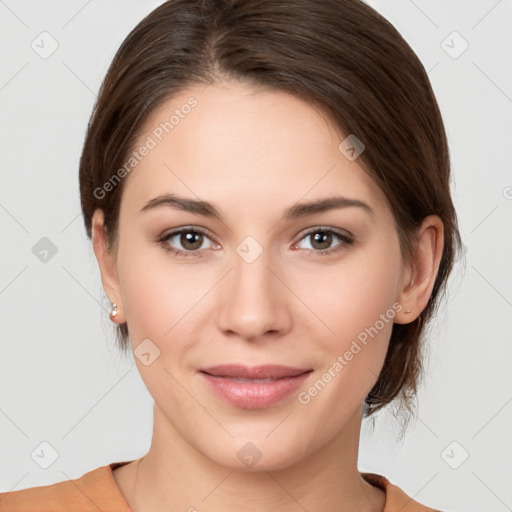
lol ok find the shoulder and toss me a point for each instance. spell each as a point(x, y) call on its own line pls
point(93, 491)
point(396, 499)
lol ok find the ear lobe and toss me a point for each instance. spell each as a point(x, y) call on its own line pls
point(425, 265)
point(106, 263)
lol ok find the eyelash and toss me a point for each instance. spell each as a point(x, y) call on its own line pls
point(347, 241)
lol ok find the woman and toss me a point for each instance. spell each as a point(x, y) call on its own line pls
point(266, 187)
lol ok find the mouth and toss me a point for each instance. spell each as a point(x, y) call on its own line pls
point(252, 387)
point(269, 371)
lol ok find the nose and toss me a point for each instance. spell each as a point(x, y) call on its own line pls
point(254, 301)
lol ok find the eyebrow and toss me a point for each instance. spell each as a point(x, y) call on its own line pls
point(296, 211)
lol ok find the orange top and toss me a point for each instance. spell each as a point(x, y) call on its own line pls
point(97, 490)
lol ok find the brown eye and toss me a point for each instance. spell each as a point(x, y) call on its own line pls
point(185, 241)
point(191, 240)
point(322, 240)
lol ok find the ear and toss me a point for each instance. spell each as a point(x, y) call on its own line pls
point(419, 279)
point(107, 263)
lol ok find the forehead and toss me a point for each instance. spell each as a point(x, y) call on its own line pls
point(232, 141)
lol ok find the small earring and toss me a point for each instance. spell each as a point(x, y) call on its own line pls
point(408, 311)
point(113, 311)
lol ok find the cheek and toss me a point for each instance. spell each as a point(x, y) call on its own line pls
point(158, 299)
point(348, 299)
point(355, 304)
point(162, 300)
point(352, 358)
point(149, 290)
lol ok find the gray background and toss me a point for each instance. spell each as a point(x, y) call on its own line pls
point(62, 381)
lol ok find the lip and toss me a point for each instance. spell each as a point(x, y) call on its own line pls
point(253, 387)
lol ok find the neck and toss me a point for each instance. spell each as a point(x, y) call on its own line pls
point(174, 475)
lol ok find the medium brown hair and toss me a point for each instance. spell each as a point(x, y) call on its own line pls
point(339, 55)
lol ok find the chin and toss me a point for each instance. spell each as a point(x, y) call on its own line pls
point(256, 456)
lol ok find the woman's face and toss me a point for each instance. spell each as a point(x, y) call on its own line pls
point(266, 282)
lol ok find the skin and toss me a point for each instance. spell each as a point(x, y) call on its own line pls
point(254, 153)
